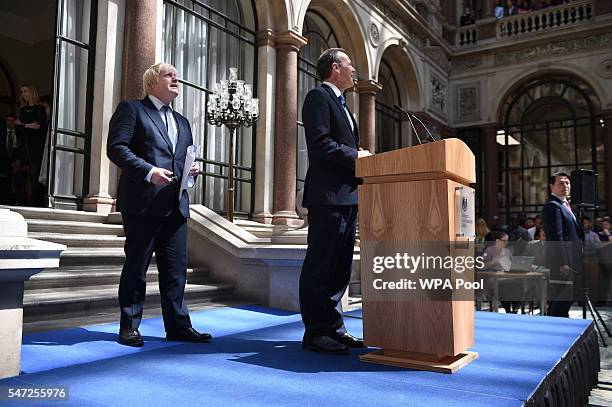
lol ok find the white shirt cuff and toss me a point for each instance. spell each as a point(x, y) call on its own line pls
point(149, 175)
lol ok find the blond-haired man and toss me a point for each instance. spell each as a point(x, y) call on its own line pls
point(148, 141)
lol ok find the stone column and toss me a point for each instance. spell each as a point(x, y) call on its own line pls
point(138, 45)
point(607, 138)
point(367, 90)
point(107, 94)
point(264, 154)
point(491, 170)
point(488, 8)
point(138, 22)
point(285, 130)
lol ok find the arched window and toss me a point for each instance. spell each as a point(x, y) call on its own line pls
point(549, 125)
point(388, 118)
point(320, 37)
point(202, 39)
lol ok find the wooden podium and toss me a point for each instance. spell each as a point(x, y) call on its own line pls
point(410, 195)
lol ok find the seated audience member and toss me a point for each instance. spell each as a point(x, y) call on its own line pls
point(598, 222)
point(517, 234)
point(499, 258)
point(536, 247)
point(484, 236)
point(604, 233)
point(467, 18)
point(500, 10)
point(531, 228)
point(483, 233)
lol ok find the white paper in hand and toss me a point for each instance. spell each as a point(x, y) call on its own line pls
point(188, 181)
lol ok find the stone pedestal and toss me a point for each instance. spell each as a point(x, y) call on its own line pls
point(101, 203)
point(20, 258)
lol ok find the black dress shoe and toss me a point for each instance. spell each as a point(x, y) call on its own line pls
point(325, 344)
point(130, 337)
point(347, 339)
point(188, 335)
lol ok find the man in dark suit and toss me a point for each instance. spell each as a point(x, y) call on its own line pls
point(148, 141)
point(330, 194)
point(8, 151)
point(563, 244)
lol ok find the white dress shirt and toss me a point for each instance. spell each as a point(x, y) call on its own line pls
point(338, 93)
point(172, 126)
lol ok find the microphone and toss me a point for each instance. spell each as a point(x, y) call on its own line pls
point(410, 114)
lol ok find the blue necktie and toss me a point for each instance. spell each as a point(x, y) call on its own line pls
point(342, 101)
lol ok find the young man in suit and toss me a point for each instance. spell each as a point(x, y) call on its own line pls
point(148, 141)
point(563, 244)
point(330, 194)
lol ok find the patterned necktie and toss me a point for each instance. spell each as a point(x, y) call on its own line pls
point(169, 128)
point(346, 111)
point(568, 208)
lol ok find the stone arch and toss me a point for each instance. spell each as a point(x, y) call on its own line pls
point(401, 61)
point(511, 87)
point(343, 19)
point(274, 15)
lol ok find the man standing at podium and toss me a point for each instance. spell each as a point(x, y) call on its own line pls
point(330, 194)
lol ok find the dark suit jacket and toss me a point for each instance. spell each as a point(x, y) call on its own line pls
point(332, 150)
point(138, 141)
point(6, 157)
point(563, 235)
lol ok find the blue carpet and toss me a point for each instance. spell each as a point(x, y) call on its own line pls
point(256, 360)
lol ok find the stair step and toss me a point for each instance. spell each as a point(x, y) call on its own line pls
point(57, 214)
point(71, 227)
point(87, 257)
point(99, 276)
point(86, 300)
point(80, 240)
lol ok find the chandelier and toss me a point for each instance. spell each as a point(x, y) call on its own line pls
point(232, 104)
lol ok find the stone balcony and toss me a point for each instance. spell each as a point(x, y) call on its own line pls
point(548, 19)
point(573, 17)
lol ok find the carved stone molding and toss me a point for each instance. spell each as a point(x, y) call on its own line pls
point(605, 68)
point(465, 63)
point(438, 95)
point(467, 102)
point(390, 14)
point(265, 37)
point(289, 39)
point(438, 56)
point(554, 48)
point(368, 86)
point(374, 35)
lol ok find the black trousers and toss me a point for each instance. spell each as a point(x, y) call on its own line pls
point(167, 237)
point(327, 267)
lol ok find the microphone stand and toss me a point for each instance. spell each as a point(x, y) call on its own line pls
point(411, 115)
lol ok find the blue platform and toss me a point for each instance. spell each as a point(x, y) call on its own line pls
point(256, 359)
